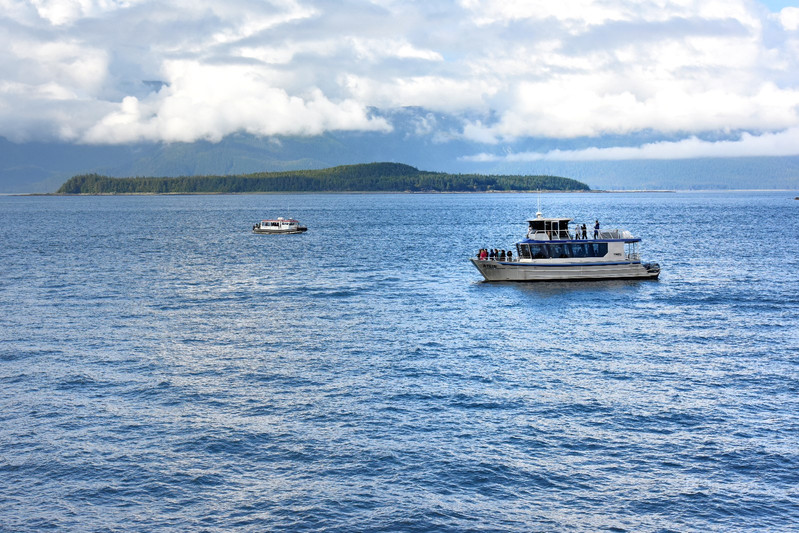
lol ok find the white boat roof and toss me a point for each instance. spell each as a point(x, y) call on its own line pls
point(540, 217)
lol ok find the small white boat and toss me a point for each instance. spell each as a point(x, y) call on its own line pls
point(279, 225)
point(550, 252)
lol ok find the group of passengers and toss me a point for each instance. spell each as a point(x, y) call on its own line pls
point(581, 232)
point(494, 255)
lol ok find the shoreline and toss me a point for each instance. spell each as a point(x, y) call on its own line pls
point(596, 191)
point(339, 192)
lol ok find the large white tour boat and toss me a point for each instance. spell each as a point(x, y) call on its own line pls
point(279, 225)
point(551, 252)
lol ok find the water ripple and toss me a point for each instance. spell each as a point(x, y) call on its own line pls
point(193, 376)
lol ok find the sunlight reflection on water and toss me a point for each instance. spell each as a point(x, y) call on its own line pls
point(207, 378)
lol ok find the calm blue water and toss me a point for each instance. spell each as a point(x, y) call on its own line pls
point(163, 369)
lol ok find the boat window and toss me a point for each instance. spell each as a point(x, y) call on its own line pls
point(557, 250)
point(561, 251)
point(568, 250)
point(578, 250)
point(538, 251)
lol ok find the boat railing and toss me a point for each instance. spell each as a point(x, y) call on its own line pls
point(540, 235)
point(630, 257)
point(615, 234)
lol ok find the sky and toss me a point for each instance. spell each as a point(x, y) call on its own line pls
point(664, 79)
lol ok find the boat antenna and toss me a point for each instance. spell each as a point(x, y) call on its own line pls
point(538, 211)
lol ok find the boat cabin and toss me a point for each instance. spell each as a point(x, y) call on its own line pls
point(280, 223)
point(548, 229)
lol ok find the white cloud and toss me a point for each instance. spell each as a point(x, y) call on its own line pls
point(783, 143)
point(81, 68)
point(581, 14)
point(527, 68)
point(211, 101)
point(60, 12)
point(434, 92)
point(789, 18)
point(580, 107)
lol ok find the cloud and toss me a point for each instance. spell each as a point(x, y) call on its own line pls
point(62, 12)
point(123, 71)
point(211, 101)
point(573, 108)
point(789, 18)
point(779, 144)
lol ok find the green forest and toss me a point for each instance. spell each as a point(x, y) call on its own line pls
point(371, 177)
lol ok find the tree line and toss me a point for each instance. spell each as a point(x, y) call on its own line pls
point(371, 177)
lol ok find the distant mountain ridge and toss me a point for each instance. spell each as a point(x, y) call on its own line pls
point(367, 177)
point(42, 167)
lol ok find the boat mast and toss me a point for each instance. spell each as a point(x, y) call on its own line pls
point(538, 211)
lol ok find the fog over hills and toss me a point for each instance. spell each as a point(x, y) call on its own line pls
point(43, 167)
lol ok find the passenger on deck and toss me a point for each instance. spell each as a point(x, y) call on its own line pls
point(510, 255)
point(596, 229)
point(585, 232)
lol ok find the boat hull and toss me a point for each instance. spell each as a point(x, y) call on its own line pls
point(527, 271)
point(280, 231)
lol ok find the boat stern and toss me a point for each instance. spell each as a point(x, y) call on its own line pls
point(652, 269)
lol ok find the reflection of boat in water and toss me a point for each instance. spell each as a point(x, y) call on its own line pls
point(551, 253)
point(279, 225)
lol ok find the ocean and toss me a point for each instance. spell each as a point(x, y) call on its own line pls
point(164, 369)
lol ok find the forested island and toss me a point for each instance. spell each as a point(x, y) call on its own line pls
point(370, 177)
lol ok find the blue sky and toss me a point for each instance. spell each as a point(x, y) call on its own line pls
point(695, 78)
point(777, 5)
